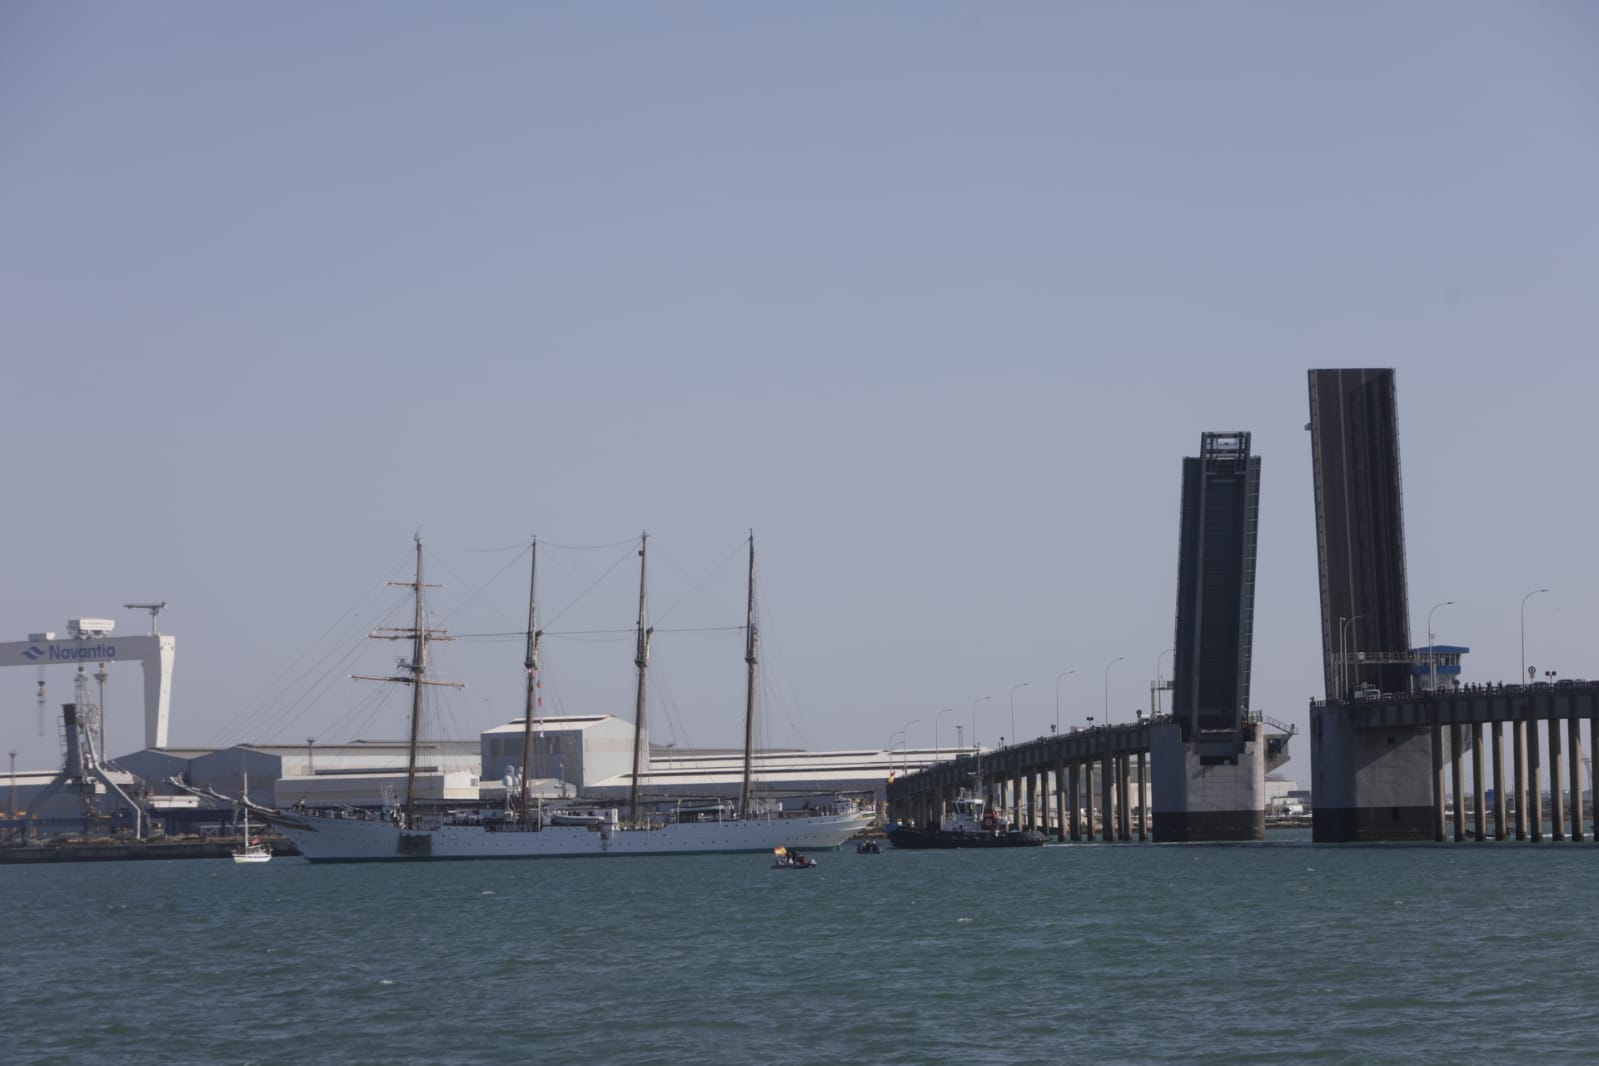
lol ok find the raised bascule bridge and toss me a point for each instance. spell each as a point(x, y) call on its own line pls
point(1383, 732)
point(1200, 771)
point(1389, 744)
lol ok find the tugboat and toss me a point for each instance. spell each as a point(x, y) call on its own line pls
point(970, 824)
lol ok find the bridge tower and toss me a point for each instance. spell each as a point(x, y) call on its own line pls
point(1366, 785)
point(1208, 758)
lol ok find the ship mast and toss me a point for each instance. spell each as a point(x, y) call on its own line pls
point(750, 640)
point(418, 666)
point(641, 659)
point(532, 664)
point(416, 670)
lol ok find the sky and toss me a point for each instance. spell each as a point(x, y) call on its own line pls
point(932, 297)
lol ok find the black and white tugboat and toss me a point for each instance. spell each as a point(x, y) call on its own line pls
point(970, 823)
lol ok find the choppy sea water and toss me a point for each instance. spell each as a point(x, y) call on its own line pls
point(1276, 953)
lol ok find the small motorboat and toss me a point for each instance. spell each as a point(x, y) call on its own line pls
point(868, 847)
point(792, 860)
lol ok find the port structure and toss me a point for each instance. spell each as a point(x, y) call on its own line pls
point(1208, 757)
point(92, 641)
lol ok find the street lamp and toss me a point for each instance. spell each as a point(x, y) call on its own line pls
point(941, 714)
point(1061, 676)
point(1113, 662)
point(1524, 600)
point(1013, 688)
point(889, 748)
point(1343, 655)
point(1432, 655)
point(907, 743)
point(975, 702)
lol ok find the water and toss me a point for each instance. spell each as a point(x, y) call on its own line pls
point(1282, 953)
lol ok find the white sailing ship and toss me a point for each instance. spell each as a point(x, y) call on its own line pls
point(527, 831)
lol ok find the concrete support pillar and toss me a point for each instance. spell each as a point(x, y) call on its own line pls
point(1437, 781)
point(1030, 818)
point(1479, 784)
point(1107, 812)
point(1060, 800)
point(1088, 799)
point(1076, 804)
point(1125, 810)
point(1557, 798)
point(1499, 781)
point(1534, 784)
point(1518, 742)
point(1457, 780)
point(1574, 748)
point(1143, 796)
point(1593, 761)
point(1046, 803)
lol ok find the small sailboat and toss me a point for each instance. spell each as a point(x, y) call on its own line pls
point(250, 848)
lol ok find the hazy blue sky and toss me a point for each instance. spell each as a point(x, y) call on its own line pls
point(934, 297)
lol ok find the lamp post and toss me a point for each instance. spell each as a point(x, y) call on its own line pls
point(941, 714)
point(975, 702)
point(1058, 678)
point(1113, 662)
point(1432, 655)
point(1013, 735)
point(11, 807)
point(1524, 600)
point(1343, 655)
point(1160, 683)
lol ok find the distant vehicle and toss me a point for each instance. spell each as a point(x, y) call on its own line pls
point(1368, 692)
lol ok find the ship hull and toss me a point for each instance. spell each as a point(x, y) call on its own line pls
point(324, 839)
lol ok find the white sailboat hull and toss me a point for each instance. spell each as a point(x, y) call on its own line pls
point(329, 839)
